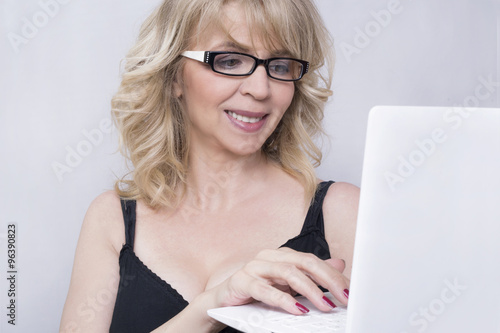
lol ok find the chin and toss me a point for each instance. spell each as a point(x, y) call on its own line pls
point(247, 147)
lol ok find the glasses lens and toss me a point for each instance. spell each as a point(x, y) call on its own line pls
point(233, 64)
point(285, 69)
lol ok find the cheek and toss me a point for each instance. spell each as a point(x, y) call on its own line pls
point(285, 96)
point(202, 89)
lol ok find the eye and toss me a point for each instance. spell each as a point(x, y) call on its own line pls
point(228, 62)
point(280, 67)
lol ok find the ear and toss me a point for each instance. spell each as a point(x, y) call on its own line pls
point(178, 83)
point(177, 88)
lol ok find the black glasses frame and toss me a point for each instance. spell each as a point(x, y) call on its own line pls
point(209, 57)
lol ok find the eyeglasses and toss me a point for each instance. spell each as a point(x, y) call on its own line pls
point(241, 64)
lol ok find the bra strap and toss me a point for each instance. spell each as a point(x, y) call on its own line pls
point(128, 210)
point(314, 217)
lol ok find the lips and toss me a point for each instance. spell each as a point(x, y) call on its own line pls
point(245, 120)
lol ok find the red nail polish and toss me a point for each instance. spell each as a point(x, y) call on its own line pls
point(346, 293)
point(302, 308)
point(329, 302)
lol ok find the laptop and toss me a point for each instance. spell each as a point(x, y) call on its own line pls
point(427, 250)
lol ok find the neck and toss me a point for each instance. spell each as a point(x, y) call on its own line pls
point(220, 181)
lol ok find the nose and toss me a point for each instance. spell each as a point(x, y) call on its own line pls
point(256, 84)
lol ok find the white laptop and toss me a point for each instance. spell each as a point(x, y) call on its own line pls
point(427, 251)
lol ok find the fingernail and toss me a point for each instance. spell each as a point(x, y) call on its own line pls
point(329, 302)
point(302, 308)
point(346, 293)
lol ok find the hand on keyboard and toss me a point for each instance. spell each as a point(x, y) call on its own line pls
point(274, 275)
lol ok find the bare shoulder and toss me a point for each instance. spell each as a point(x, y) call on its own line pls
point(104, 203)
point(340, 211)
point(341, 195)
point(104, 218)
point(95, 268)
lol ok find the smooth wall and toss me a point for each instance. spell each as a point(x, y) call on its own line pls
point(60, 62)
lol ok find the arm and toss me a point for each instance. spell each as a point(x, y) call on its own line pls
point(95, 277)
point(340, 211)
point(194, 317)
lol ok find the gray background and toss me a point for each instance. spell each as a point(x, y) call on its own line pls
point(60, 67)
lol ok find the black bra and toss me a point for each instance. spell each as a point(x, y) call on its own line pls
point(145, 301)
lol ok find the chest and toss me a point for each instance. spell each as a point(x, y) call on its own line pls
point(194, 252)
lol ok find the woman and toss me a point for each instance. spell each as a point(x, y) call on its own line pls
point(223, 206)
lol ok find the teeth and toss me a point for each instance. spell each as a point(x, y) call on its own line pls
point(243, 118)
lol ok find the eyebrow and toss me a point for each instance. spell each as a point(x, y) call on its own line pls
point(230, 45)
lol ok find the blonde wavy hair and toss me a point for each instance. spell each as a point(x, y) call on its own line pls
point(149, 116)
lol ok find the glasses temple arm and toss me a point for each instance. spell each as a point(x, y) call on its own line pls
point(201, 56)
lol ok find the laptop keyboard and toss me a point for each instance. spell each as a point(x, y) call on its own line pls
point(315, 321)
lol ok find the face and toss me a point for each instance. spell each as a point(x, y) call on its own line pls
point(231, 114)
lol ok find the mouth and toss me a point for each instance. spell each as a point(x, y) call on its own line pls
point(245, 119)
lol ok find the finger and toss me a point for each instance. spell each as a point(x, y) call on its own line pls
point(267, 294)
point(318, 270)
point(284, 288)
point(338, 264)
point(290, 275)
point(245, 286)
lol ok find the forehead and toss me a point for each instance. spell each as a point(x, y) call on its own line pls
point(235, 29)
